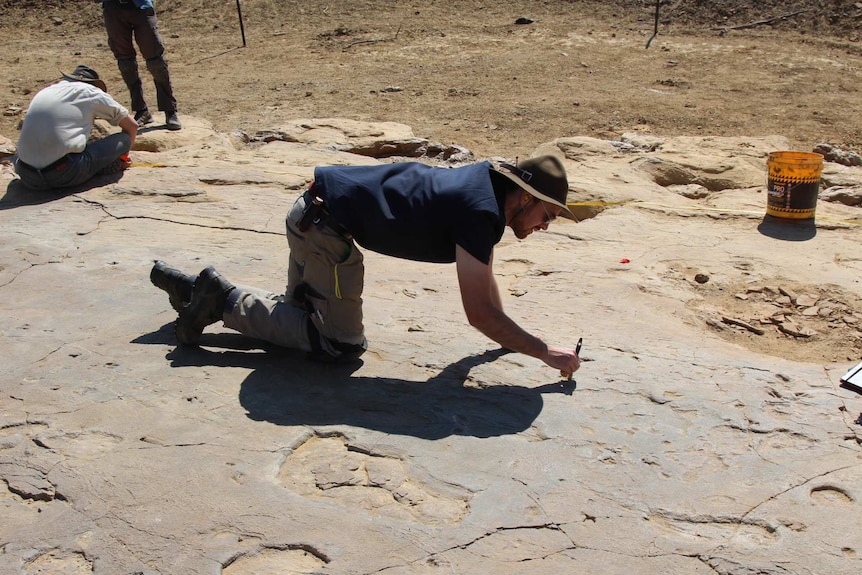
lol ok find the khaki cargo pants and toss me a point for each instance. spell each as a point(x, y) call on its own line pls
point(332, 270)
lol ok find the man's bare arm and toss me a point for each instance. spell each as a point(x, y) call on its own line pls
point(495, 290)
point(481, 300)
point(129, 126)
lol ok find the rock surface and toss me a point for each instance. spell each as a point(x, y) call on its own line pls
point(685, 444)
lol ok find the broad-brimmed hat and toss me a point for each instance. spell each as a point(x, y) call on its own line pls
point(86, 74)
point(543, 177)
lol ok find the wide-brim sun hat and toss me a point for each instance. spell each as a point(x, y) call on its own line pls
point(543, 177)
point(86, 74)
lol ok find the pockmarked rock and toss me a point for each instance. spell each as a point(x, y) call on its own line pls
point(705, 432)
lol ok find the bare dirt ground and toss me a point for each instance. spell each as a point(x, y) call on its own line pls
point(468, 73)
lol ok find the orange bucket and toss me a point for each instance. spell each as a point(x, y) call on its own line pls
point(793, 184)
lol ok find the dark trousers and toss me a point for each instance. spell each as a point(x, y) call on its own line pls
point(127, 25)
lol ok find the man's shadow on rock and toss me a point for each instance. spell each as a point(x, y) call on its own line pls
point(286, 389)
point(17, 194)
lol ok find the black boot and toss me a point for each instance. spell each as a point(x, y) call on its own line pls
point(207, 306)
point(172, 121)
point(143, 117)
point(178, 285)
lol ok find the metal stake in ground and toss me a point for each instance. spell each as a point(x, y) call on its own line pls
point(241, 27)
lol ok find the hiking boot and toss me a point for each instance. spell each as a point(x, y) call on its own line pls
point(206, 307)
point(172, 121)
point(178, 285)
point(143, 117)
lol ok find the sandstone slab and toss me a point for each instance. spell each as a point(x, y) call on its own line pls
point(679, 447)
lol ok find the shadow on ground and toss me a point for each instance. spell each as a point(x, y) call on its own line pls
point(285, 389)
point(788, 230)
point(17, 194)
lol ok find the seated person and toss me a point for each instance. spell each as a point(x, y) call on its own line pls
point(53, 149)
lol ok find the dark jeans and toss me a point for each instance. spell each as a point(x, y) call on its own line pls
point(78, 168)
point(125, 23)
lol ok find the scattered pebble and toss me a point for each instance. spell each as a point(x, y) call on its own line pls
point(793, 330)
point(788, 293)
point(807, 300)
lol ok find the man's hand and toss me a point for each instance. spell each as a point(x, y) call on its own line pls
point(566, 360)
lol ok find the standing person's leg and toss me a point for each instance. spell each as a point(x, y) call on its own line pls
point(152, 49)
point(119, 25)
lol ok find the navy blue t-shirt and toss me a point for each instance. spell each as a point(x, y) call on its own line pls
point(413, 211)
